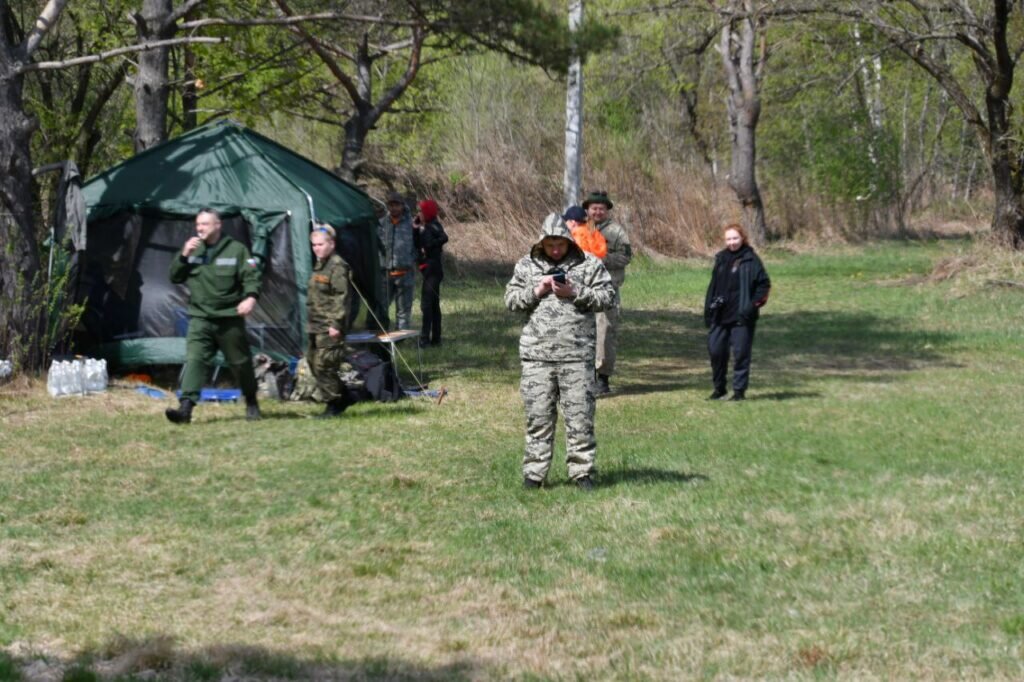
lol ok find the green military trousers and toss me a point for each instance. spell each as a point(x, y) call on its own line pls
point(325, 357)
point(545, 386)
point(205, 336)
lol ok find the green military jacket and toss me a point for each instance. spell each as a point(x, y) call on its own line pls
point(619, 251)
point(329, 296)
point(218, 277)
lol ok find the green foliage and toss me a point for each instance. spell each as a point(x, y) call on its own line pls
point(9, 669)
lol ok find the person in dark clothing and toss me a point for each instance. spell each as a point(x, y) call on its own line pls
point(739, 287)
point(430, 237)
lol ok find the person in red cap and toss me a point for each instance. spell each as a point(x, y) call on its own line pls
point(430, 237)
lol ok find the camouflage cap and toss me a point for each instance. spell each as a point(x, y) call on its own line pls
point(554, 226)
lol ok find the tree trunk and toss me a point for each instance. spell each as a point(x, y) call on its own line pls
point(21, 312)
point(743, 104)
point(352, 159)
point(363, 118)
point(151, 88)
point(1008, 216)
point(573, 116)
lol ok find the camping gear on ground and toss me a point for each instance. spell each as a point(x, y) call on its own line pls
point(365, 374)
point(141, 212)
point(274, 378)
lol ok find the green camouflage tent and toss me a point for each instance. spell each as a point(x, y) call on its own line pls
point(141, 211)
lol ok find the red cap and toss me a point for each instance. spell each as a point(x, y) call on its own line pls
point(428, 207)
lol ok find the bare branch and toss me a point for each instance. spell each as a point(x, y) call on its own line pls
point(294, 19)
point(103, 56)
point(412, 68)
point(177, 14)
point(44, 22)
point(329, 61)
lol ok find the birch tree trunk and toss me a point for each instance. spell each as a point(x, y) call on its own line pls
point(744, 72)
point(573, 116)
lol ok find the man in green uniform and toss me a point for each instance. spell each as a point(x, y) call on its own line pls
point(327, 320)
point(223, 283)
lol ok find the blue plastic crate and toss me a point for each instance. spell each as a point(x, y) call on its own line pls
point(218, 395)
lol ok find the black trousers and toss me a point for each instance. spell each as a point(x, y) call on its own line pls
point(430, 307)
point(740, 339)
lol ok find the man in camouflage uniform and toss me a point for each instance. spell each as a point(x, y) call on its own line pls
point(327, 306)
point(559, 287)
point(597, 206)
point(223, 283)
point(398, 259)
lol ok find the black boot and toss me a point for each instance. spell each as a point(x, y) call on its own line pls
point(182, 415)
point(252, 409)
point(718, 394)
point(603, 387)
point(334, 408)
point(739, 395)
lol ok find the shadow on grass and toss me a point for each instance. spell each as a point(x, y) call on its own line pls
point(784, 395)
point(647, 476)
point(665, 350)
point(158, 658)
point(661, 350)
point(367, 409)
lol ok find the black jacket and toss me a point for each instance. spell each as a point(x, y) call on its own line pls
point(429, 241)
point(754, 285)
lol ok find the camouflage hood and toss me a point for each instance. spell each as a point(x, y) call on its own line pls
point(554, 226)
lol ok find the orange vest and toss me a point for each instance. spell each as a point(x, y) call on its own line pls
point(590, 240)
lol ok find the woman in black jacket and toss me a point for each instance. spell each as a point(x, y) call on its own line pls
point(430, 237)
point(739, 287)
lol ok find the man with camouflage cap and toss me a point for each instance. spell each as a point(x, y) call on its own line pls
point(620, 253)
point(398, 259)
point(559, 288)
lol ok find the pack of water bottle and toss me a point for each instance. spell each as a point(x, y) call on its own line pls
point(77, 377)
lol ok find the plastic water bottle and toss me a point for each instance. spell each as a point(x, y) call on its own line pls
point(6, 369)
point(52, 383)
point(55, 380)
point(95, 375)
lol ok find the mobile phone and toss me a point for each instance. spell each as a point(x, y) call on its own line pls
point(559, 277)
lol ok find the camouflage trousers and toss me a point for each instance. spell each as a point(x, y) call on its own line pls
point(544, 387)
point(325, 357)
point(608, 337)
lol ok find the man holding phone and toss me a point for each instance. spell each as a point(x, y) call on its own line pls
point(223, 282)
point(559, 288)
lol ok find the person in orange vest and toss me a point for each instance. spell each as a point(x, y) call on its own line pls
point(585, 233)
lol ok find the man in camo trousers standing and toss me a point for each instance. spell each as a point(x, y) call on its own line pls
point(620, 253)
point(559, 288)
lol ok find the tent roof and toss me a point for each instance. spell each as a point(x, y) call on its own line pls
point(226, 166)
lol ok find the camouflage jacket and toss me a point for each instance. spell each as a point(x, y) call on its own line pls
point(398, 251)
point(329, 294)
point(619, 250)
point(559, 329)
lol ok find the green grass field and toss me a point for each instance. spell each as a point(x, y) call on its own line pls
point(860, 517)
